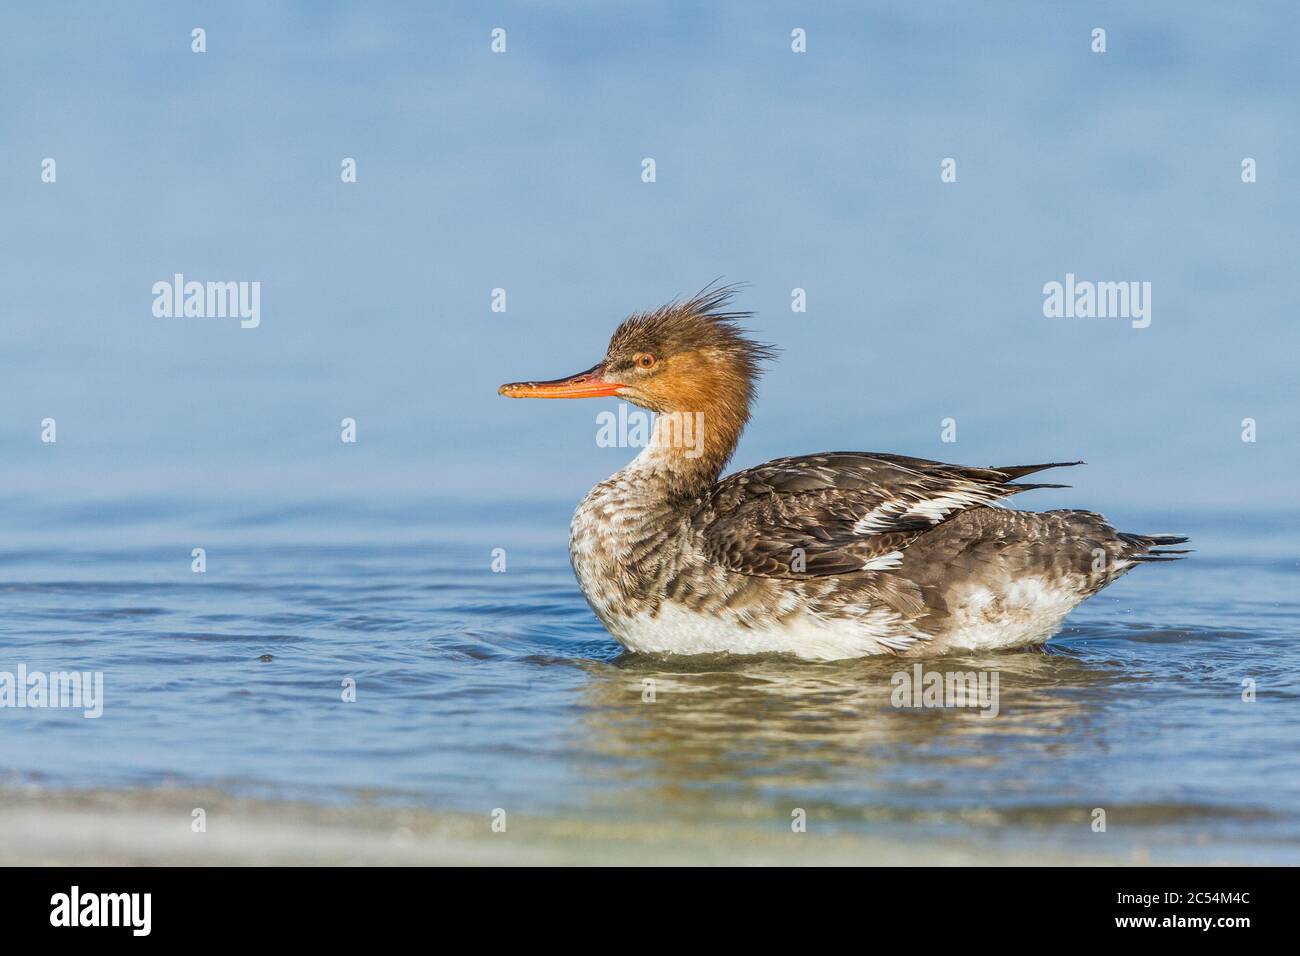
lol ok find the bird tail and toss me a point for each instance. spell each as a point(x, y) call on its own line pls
point(1153, 548)
point(1019, 471)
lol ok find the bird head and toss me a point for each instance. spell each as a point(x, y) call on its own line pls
point(686, 357)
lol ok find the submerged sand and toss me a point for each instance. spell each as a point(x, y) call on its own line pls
point(155, 827)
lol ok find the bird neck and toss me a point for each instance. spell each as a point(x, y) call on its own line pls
point(688, 450)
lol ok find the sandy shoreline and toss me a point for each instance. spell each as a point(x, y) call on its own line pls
point(154, 827)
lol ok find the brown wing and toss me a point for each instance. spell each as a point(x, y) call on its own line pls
point(841, 512)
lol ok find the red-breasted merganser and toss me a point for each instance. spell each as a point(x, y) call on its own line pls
point(829, 556)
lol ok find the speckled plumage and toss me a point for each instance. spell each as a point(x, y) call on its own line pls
point(721, 571)
point(828, 556)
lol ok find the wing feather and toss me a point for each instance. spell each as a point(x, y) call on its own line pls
point(840, 512)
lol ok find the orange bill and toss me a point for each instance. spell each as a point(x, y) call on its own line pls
point(588, 384)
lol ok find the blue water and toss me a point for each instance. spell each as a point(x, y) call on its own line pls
point(477, 690)
point(819, 171)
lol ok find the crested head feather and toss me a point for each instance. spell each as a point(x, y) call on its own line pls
point(702, 361)
point(701, 322)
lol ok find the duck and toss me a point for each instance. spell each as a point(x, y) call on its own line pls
point(822, 557)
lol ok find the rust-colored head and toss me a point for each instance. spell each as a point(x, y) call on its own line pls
point(685, 357)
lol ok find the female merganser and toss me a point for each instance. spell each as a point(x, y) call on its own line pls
point(829, 556)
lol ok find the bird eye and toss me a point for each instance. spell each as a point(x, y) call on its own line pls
point(645, 360)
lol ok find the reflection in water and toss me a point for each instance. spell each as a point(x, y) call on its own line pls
point(766, 730)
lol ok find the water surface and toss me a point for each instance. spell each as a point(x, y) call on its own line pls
point(477, 690)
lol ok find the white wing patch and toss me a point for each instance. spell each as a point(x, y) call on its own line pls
point(934, 510)
point(884, 562)
point(879, 518)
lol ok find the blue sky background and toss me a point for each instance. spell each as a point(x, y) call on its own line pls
point(522, 171)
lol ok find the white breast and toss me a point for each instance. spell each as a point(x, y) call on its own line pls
point(1021, 613)
point(679, 630)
